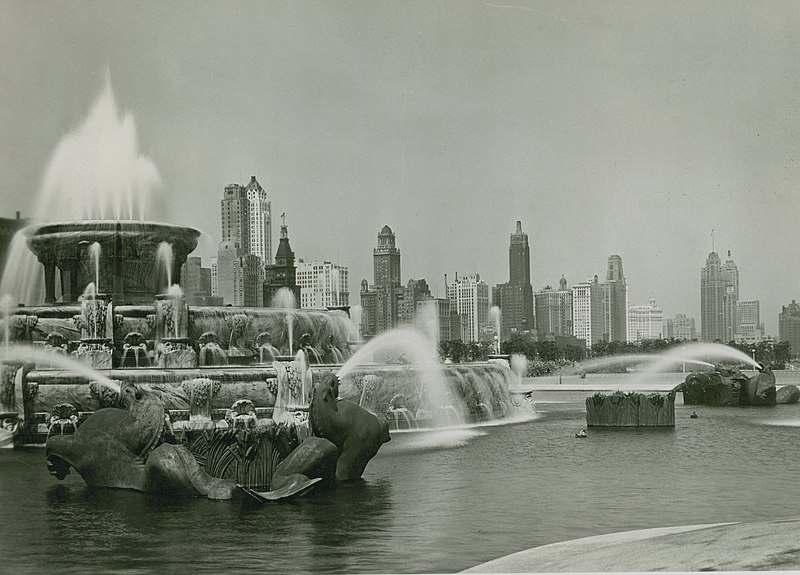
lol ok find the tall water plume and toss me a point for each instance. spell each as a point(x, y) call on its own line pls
point(95, 172)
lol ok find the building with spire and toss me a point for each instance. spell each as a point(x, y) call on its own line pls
point(283, 273)
point(515, 298)
point(712, 299)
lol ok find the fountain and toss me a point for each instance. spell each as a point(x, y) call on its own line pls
point(201, 374)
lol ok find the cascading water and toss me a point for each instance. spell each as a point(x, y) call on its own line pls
point(164, 262)
point(495, 318)
point(284, 298)
point(95, 250)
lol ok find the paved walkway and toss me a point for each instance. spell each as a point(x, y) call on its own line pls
point(773, 545)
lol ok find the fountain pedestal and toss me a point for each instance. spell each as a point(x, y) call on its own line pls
point(631, 410)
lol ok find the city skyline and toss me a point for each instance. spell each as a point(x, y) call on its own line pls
point(605, 129)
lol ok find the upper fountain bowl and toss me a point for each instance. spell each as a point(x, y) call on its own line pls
point(127, 254)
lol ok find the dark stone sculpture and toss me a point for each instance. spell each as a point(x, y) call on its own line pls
point(357, 434)
point(787, 394)
point(123, 447)
point(727, 387)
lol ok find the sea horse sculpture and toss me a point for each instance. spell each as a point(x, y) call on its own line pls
point(124, 447)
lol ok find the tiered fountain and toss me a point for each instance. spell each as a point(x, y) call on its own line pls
point(105, 291)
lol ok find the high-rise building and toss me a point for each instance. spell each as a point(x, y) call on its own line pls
point(214, 277)
point(789, 327)
point(730, 322)
point(645, 322)
point(283, 273)
point(712, 300)
point(260, 221)
point(230, 277)
point(414, 292)
point(322, 285)
point(235, 209)
point(554, 311)
point(515, 298)
point(196, 282)
point(615, 301)
point(748, 314)
point(681, 327)
point(386, 260)
point(469, 297)
point(587, 312)
point(380, 302)
point(433, 317)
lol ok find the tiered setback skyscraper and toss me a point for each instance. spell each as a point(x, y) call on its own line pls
point(615, 301)
point(515, 298)
point(246, 235)
point(386, 260)
point(719, 294)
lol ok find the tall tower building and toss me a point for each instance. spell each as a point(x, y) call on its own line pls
point(235, 209)
point(712, 299)
point(386, 260)
point(469, 298)
point(379, 303)
point(260, 221)
point(515, 298)
point(615, 301)
point(730, 322)
point(789, 327)
point(283, 273)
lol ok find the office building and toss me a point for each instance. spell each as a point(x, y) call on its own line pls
point(681, 327)
point(789, 327)
point(553, 311)
point(322, 284)
point(469, 298)
point(615, 301)
point(712, 299)
point(645, 322)
point(515, 298)
point(588, 321)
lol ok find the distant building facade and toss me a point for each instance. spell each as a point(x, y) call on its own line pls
point(681, 327)
point(553, 311)
point(645, 322)
point(196, 283)
point(750, 328)
point(322, 284)
point(789, 327)
point(469, 298)
point(414, 292)
point(434, 315)
point(588, 322)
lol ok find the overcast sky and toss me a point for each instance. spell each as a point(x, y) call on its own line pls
point(628, 128)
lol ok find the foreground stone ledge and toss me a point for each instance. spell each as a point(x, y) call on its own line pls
point(761, 546)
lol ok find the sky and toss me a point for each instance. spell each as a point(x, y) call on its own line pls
point(630, 128)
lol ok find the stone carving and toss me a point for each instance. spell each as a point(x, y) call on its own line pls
point(357, 434)
point(728, 387)
point(124, 448)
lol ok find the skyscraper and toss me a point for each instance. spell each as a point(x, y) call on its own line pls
point(712, 299)
point(469, 298)
point(386, 260)
point(235, 209)
point(748, 316)
point(554, 311)
point(587, 311)
point(379, 303)
point(260, 221)
point(515, 298)
point(789, 327)
point(615, 301)
point(730, 322)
